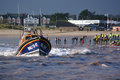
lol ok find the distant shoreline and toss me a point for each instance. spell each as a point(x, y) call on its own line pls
point(57, 33)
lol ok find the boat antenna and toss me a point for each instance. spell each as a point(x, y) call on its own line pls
point(41, 33)
point(18, 14)
point(40, 16)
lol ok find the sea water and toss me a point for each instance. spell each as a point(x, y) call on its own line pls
point(65, 61)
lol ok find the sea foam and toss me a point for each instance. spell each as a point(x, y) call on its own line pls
point(7, 51)
point(10, 51)
point(67, 51)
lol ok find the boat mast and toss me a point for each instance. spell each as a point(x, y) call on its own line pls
point(40, 17)
point(18, 14)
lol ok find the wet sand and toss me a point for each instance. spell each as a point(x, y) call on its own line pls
point(57, 33)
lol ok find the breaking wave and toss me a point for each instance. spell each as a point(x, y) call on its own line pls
point(67, 51)
point(7, 51)
point(10, 51)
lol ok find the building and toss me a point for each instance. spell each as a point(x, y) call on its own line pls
point(36, 21)
point(45, 21)
point(66, 26)
point(72, 17)
point(14, 19)
point(116, 28)
point(31, 21)
point(82, 23)
point(1, 19)
point(24, 19)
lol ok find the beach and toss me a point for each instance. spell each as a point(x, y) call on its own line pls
point(57, 33)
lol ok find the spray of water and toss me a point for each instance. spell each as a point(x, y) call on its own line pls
point(10, 51)
point(67, 51)
point(7, 51)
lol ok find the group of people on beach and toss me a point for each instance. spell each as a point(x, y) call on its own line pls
point(111, 38)
point(98, 39)
point(58, 40)
point(75, 40)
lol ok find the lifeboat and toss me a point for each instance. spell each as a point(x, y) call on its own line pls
point(32, 43)
point(113, 43)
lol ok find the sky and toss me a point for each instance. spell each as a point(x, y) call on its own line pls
point(60, 6)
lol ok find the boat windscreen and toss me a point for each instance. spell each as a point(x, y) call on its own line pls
point(33, 36)
point(28, 37)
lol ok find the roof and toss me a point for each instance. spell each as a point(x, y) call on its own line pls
point(15, 15)
point(64, 24)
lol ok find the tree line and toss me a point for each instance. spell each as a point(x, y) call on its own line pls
point(84, 15)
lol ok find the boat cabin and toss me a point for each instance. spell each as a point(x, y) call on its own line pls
point(28, 33)
point(27, 37)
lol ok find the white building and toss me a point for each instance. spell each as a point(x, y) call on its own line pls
point(82, 23)
point(1, 19)
point(18, 21)
point(30, 21)
point(9, 20)
point(13, 21)
point(45, 21)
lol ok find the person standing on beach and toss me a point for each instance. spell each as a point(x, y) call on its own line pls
point(65, 40)
point(48, 38)
point(90, 42)
point(82, 42)
point(100, 40)
point(56, 40)
point(110, 37)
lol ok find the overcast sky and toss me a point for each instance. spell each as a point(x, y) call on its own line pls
point(54, 6)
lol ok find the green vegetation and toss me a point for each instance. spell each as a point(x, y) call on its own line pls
point(9, 26)
point(19, 27)
point(88, 15)
point(83, 15)
point(58, 17)
point(43, 28)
